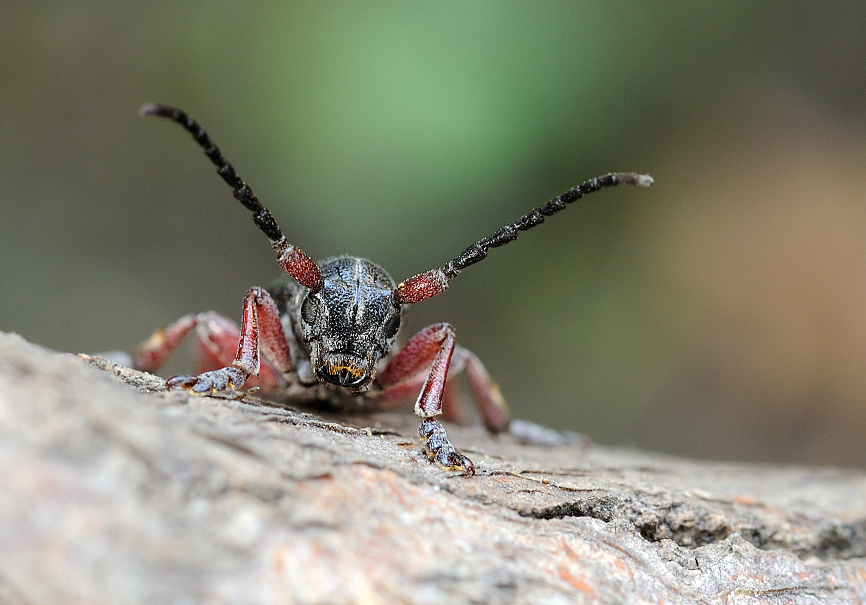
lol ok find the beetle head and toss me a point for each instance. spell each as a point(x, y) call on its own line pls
point(350, 323)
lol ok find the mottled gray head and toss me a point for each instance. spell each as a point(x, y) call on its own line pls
point(350, 323)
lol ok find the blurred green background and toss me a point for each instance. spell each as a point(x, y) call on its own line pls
point(721, 313)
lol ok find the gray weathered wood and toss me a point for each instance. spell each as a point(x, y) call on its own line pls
point(113, 491)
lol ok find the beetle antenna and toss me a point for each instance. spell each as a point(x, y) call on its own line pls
point(430, 283)
point(241, 190)
point(293, 260)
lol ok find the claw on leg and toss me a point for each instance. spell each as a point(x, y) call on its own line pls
point(440, 449)
point(217, 381)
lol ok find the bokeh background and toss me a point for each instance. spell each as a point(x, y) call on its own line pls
point(719, 314)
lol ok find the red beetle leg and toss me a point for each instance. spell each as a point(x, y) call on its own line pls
point(261, 327)
point(431, 348)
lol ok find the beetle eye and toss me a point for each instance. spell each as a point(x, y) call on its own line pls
point(309, 309)
point(392, 324)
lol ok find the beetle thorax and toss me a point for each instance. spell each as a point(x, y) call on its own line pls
point(351, 322)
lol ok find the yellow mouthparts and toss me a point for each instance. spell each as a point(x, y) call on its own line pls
point(335, 369)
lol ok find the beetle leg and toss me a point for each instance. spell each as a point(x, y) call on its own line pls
point(453, 405)
point(261, 327)
point(215, 342)
point(440, 449)
point(491, 405)
point(432, 347)
point(485, 392)
point(492, 408)
point(400, 394)
point(216, 338)
point(152, 353)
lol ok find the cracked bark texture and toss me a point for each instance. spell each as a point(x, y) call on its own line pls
point(115, 491)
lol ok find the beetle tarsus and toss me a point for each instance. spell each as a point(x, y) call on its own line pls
point(440, 450)
point(216, 381)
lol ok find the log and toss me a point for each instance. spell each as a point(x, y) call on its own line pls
point(116, 491)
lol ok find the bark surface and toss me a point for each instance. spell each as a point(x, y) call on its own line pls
point(115, 491)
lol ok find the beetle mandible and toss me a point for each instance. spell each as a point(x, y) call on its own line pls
point(327, 329)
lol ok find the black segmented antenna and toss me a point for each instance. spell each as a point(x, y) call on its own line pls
point(242, 192)
point(478, 251)
point(293, 260)
point(435, 281)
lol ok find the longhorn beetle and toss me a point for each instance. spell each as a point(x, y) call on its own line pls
point(327, 329)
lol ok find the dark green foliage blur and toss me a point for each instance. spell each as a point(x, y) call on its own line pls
point(718, 314)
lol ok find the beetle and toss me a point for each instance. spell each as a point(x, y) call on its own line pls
point(327, 330)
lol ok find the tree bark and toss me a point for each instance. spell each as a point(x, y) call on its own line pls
point(116, 491)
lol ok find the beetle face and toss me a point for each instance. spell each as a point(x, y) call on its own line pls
point(350, 323)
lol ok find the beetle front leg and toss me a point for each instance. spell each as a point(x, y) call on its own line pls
point(261, 327)
point(216, 340)
point(432, 344)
